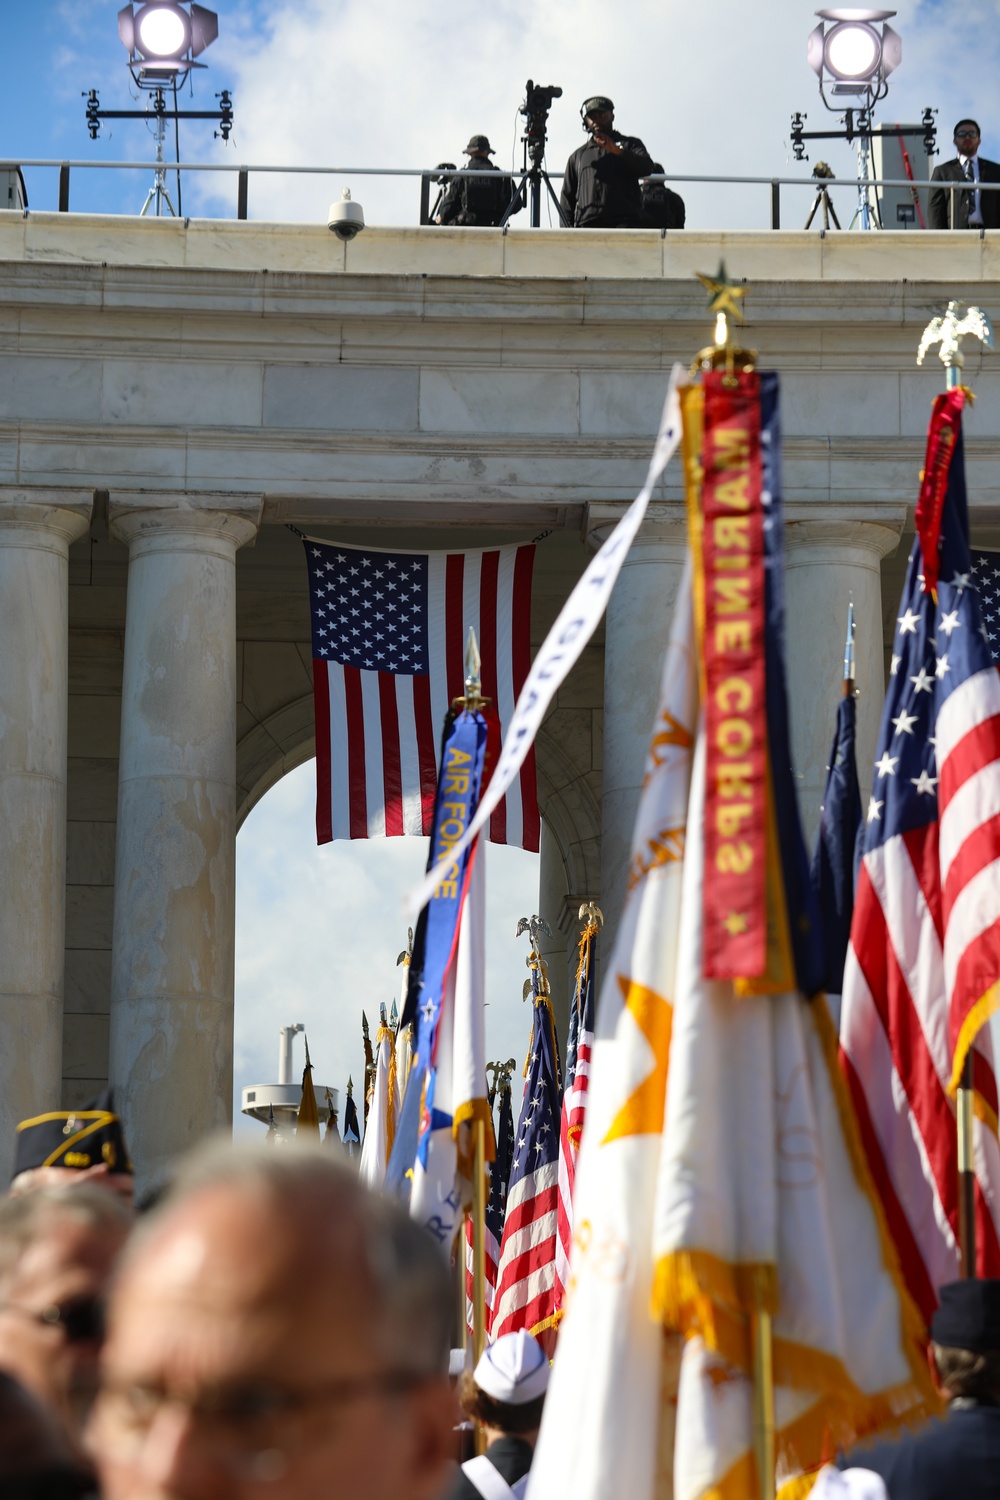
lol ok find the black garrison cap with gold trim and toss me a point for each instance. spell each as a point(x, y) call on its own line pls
point(74, 1138)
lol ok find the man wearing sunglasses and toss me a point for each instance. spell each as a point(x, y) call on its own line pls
point(58, 1247)
point(278, 1331)
point(970, 208)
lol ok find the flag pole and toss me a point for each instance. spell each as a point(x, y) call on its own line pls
point(474, 702)
point(763, 1391)
point(850, 670)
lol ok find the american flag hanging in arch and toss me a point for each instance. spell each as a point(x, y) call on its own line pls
point(924, 955)
point(388, 645)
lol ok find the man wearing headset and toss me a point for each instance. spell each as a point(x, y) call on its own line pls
point(601, 183)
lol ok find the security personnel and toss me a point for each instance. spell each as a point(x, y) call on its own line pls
point(959, 1456)
point(504, 1394)
point(66, 1147)
point(477, 200)
point(601, 183)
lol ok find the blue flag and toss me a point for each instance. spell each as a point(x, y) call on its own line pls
point(833, 859)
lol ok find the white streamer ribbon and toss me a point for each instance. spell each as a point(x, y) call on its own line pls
point(577, 621)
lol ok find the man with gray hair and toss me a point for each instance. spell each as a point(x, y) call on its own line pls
point(58, 1247)
point(275, 1328)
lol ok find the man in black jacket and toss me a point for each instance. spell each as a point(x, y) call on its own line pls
point(971, 208)
point(959, 1456)
point(477, 200)
point(601, 183)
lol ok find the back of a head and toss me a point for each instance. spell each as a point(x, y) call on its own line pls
point(354, 1233)
point(965, 1339)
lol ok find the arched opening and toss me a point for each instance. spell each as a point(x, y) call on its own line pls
point(318, 931)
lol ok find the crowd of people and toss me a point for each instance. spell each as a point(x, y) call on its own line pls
point(263, 1320)
point(268, 1321)
point(606, 183)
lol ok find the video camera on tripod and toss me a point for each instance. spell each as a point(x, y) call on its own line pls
point(535, 109)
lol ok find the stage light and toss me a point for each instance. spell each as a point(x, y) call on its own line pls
point(163, 37)
point(162, 31)
point(858, 51)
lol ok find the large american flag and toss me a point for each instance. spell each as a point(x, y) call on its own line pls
point(389, 631)
point(574, 1101)
point(526, 1282)
point(925, 938)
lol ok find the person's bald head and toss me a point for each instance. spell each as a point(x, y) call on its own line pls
point(271, 1279)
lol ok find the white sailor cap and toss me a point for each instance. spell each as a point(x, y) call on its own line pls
point(513, 1370)
point(848, 1484)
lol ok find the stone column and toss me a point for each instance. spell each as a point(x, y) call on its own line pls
point(551, 901)
point(827, 562)
point(36, 528)
point(175, 875)
point(636, 633)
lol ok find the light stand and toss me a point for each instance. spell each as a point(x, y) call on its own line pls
point(535, 109)
point(163, 40)
point(852, 53)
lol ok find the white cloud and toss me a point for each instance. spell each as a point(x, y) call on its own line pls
point(318, 930)
point(709, 88)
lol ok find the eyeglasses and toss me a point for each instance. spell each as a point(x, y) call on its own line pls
point(80, 1318)
point(966, 135)
point(253, 1429)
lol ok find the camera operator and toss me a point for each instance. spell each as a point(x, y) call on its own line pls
point(601, 183)
point(477, 200)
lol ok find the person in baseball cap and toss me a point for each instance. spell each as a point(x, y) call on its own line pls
point(959, 1455)
point(504, 1394)
point(65, 1147)
point(601, 182)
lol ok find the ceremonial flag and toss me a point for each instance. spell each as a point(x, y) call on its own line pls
point(833, 857)
point(716, 1182)
point(383, 1110)
point(388, 642)
point(446, 998)
point(352, 1130)
point(921, 975)
point(496, 1204)
point(307, 1119)
point(574, 1100)
point(526, 1283)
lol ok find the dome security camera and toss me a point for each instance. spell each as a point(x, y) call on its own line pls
point(346, 218)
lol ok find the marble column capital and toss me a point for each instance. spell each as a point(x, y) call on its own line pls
point(663, 530)
point(853, 542)
point(44, 516)
point(148, 521)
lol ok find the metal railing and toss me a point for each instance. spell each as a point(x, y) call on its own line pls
point(430, 175)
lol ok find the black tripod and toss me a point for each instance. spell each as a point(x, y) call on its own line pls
point(823, 199)
point(528, 192)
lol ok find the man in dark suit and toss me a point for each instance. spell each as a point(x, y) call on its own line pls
point(971, 208)
point(959, 1456)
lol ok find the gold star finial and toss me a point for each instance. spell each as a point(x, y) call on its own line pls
point(723, 295)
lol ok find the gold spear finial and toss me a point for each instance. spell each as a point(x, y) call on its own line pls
point(724, 298)
point(948, 330)
point(472, 699)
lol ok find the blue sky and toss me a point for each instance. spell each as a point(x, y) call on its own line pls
point(380, 83)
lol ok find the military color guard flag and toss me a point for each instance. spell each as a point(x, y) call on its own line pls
point(388, 644)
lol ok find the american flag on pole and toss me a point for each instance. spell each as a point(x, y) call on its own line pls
point(388, 644)
point(526, 1282)
point(574, 1100)
point(496, 1207)
point(924, 959)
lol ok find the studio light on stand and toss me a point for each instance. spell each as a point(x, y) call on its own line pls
point(164, 39)
point(852, 52)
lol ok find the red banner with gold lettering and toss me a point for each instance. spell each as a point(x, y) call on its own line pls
point(732, 547)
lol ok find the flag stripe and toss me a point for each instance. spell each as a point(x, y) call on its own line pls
point(521, 659)
point(321, 692)
point(507, 609)
point(392, 777)
point(371, 705)
point(454, 634)
point(488, 650)
point(356, 778)
point(409, 754)
point(425, 749)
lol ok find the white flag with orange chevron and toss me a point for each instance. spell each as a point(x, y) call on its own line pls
point(601, 1432)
